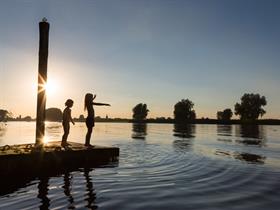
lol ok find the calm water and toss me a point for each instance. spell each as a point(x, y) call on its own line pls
point(161, 166)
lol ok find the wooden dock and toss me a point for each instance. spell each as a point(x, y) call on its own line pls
point(25, 159)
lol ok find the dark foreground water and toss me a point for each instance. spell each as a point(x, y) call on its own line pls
point(161, 166)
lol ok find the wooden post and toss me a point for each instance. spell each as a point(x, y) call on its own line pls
point(42, 79)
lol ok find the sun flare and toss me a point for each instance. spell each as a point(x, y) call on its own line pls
point(50, 87)
point(45, 140)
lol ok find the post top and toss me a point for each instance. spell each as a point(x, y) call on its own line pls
point(44, 19)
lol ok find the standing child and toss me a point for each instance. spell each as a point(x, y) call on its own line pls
point(90, 117)
point(66, 119)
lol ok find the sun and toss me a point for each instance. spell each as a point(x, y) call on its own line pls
point(50, 87)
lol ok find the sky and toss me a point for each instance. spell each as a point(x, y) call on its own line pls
point(150, 51)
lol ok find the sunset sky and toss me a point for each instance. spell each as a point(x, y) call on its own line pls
point(151, 51)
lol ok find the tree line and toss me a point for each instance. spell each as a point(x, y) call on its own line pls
point(249, 109)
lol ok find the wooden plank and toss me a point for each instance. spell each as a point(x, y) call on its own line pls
point(25, 159)
point(53, 146)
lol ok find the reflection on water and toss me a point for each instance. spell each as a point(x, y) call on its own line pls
point(43, 188)
point(251, 135)
point(53, 130)
point(224, 135)
point(224, 130)
point(247, 135)
point(67, 178)
point(258, 142)
point(139, 131)
point(184, 134)
point(250, 158)
point(213, 166)
point(242, 156)
point(9, 185)
point(90, 195)
point(2, 129)
point(184, 130)
point(45, 184)
point(224, 140)
point(250, 131)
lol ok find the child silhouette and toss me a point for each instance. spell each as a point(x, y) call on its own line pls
point(90, 117)
point(66, 119)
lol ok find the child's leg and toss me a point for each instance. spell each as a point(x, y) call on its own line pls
point(66, 128)
point(88, 135)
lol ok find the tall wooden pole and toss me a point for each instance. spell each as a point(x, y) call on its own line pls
point(42, 79)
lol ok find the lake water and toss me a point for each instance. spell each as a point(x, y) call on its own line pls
point(161, 166)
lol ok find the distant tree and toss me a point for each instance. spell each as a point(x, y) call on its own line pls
point(250, 107)
point(220, 115)
point(183, 111)
point(53, 114)
point(4, 114)
point(27, 118)
point(140, 112)
point(224, 115)
point(81, 117)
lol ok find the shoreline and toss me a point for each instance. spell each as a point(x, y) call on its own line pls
point(171, 121)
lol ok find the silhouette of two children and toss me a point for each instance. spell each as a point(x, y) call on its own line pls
point(90, 120)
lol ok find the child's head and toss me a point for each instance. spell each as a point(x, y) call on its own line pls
point(88, 99)
point(69, 103)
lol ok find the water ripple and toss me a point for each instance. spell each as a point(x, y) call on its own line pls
point(188, 171)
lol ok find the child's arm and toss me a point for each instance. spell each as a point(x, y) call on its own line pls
point(71, 119)
point(100, 104)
